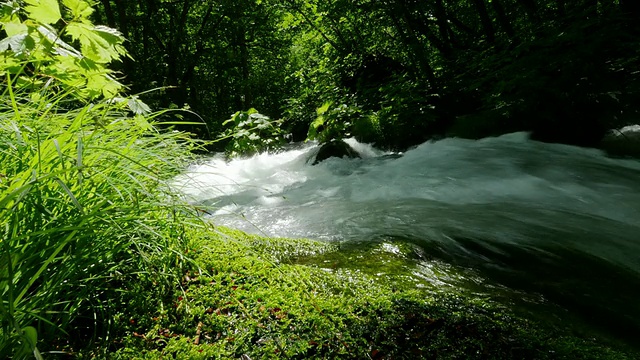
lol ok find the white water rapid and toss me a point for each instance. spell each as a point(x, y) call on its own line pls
point(555, 219)
point(505, 190)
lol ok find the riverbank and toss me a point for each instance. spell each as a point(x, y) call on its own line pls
point(251, 297)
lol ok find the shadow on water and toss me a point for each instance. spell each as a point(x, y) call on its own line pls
point(590, 290)
point(563, 288)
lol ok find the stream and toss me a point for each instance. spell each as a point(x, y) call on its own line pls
point(555, 226)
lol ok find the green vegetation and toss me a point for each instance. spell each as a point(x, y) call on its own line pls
point(254, 297)
point(87, 214)
point(100, 256)
point(251, 133)
point(564, 70)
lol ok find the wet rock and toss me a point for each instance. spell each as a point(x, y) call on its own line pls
point(624, 142)
point(335, 148)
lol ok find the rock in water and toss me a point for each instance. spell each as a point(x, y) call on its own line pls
point(335, 148)
point(623, 142)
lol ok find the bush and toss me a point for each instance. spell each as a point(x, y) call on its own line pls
point(251, 133)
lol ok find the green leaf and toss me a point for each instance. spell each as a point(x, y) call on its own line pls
point(142, 122)
point(65, 70)
point(323, 109)
point(44, 11)
point(98, 43)
point(13, 28)
point(30, 340)
point(60, 47)
point(9, 64)
point(9, 11)
point(79, 8)
point(100, 83)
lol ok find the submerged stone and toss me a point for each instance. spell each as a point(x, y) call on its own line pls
point(335, 148)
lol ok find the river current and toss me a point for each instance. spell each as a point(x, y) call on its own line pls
point(555, 220)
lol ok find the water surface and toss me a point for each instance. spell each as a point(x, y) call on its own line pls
point(558, 222)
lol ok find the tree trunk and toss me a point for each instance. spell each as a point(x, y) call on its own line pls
point(561, 8)
point(444, 29)
point(108, 12)
point(247, 98)
point(485, 20)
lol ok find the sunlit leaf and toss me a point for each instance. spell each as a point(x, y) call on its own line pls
point(138, 106)
point(79, 8)
point(98, 43)
point(60, 47)
point(17, 43)
point(44, 11)
point(14, 28)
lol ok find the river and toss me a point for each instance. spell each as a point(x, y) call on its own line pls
point(556, 222)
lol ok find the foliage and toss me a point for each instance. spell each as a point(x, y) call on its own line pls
point(426, 68)
point(560, 70)
point(215, 56)
point(583, 89)
point(39, 55)
point(252, 132)
point(86, 209)
point(333, 122)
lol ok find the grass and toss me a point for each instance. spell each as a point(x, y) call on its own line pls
point(85, 208)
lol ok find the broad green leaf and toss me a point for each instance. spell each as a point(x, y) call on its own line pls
point(9, 11)
point(79, 8)
point(9, 64)
point(142, 122)
point(13, 28)
point(60, 47)
point(319, 121)
point(65, 70)
point(30, 339)
point(98, 43)
point(102, 84)
point(44, 11)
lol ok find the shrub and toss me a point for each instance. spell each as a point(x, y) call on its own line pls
point(252, 132)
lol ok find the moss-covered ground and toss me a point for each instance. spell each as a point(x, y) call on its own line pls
point(249, 297)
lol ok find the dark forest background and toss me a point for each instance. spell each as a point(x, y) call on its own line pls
point(391, 72)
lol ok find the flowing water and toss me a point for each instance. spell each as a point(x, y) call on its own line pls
point(555, 222)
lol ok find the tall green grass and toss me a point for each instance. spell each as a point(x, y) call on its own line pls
point(87, 213)
point(85, 209)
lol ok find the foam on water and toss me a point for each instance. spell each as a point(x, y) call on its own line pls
point(499, 190)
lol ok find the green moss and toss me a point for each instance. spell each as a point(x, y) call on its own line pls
point(253, 297)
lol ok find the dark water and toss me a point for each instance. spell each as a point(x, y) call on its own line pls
point(556, 222)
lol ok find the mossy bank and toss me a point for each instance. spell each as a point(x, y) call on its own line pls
point(250, 297)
